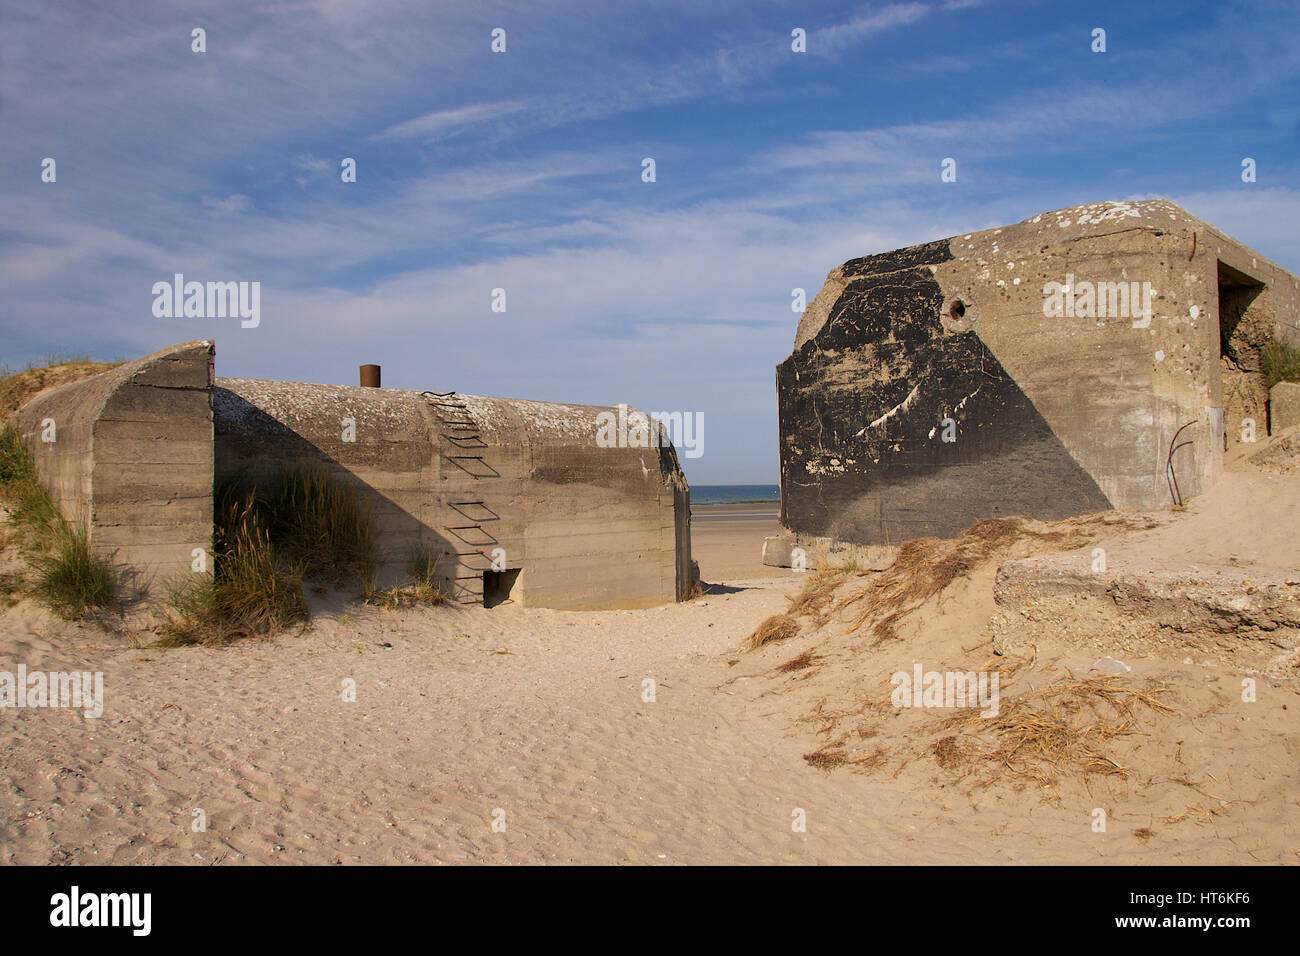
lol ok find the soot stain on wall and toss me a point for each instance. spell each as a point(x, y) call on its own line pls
point(862, 408)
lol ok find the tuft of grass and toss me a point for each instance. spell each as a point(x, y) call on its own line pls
point(318, 524)
point(297, 525)
point(249, 594)
point(834, 755)
point(423, 591)
point(12, 588)
point(70, 577)
point(15, 463)
point(778, 627)
point(826, 759)
point(26, 499)
point(818, 591)
point(799, 662)
point(1279, 362)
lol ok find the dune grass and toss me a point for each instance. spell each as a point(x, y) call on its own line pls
point(923, 567)
point(818, 591)
point(812, 601)
point(249, 594)
point(69, 576)
point(298, 524)
point(422, 591)
point(1279, 362)
point(317, 523)
point(26, 499)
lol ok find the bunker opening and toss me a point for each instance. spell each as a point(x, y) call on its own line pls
point(501, 587)
point(1245, 325)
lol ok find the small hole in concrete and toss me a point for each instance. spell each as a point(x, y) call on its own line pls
point(957, 310)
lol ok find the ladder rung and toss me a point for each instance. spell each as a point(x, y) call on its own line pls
point(461, 506)
point(459, 462)
point(487, 538)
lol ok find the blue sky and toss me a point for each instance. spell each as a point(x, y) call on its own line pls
point(522, 170)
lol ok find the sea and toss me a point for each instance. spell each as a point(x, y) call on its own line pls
point(735, 494)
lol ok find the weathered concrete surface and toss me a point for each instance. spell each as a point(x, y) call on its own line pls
point(814, 553)
point(261, 426)
point(592, 526)
point(132, 458)
point(1048, 415)
point(1248, 616)
point(471, 482)
point(587, 527)
point(1283, 406)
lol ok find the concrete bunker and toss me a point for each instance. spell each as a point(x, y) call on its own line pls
point(515, 500)
point(1041, 368)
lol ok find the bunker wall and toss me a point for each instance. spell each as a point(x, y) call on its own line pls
point(937, 385)
point(132, 460)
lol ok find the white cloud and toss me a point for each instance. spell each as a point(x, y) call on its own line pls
point(867, 23)
point(440, 122)
point(231, 205)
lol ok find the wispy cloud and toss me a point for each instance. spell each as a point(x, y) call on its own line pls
point(866, 23)
point(441, 122)
point(522, 171)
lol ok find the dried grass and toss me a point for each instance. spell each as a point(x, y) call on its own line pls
point(924, 567)
point(422, 591)
point(833, 755)
point(826, 759)
point(19, 387)
point(817, 592)
point(1199, 814)
point(798, 663)
point(778, 627)
point(1058, 730)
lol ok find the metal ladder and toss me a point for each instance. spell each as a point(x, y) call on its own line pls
point(461, 432)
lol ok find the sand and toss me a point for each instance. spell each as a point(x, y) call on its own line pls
point(727, 540)
point(538, 721)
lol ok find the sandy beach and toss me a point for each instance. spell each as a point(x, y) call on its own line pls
point(399, 401)
point(727, 540)
point(587, 737)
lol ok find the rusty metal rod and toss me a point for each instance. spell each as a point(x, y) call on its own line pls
point(1169, 465)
